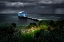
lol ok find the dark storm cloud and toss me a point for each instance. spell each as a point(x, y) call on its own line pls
point(18, 4)
point(28, 3)
point(19, 0)
point(25, 3)
point(58, 1)
point(9, 11)
point(34, 2)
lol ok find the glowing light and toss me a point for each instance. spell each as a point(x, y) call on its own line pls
point(22, 14)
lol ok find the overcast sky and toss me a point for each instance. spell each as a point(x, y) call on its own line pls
point(29, 7)
point(35, 0)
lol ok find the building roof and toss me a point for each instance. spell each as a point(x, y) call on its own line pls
point(21, 11)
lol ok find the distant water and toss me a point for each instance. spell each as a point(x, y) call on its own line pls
point(13, 18)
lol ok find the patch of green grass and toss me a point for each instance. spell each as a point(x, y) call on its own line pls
point(36, 31)
point(44, 26)
point(27, 37)
point(20, 27)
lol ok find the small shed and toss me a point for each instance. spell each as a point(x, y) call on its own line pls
point(22, 14)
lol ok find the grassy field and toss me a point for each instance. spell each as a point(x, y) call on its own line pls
point(44, 31)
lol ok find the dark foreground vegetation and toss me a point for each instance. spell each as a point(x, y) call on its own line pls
point(44, 31)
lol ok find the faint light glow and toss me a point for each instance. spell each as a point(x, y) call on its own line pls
point(22, 14)
point(21, 11)
point(31, 30)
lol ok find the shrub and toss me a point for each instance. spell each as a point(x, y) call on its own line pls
point(49, 36)
point(51, 23)
point(8, 34)
point(27, 36)
point(43, 22)
point(43, 27)
point(32, 25)
point(13, 24)
point(7, 28)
